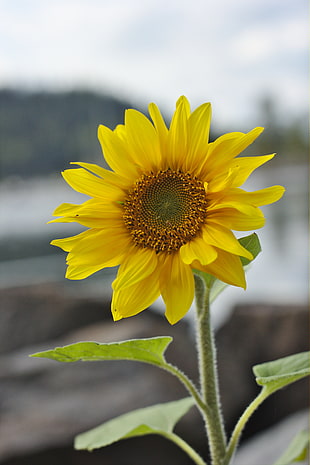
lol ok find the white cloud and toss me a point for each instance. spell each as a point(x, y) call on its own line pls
point(265, 42)
point(227, 52)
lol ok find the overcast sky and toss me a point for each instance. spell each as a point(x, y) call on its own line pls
point(231, 53)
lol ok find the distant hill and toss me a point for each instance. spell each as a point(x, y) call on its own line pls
point(40, 133)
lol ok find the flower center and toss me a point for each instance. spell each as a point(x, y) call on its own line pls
point(164, 211)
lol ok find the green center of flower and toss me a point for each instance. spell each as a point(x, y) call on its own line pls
point(165, 210)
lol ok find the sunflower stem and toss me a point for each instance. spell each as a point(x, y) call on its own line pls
point(186, 448)
point(208, 373)
point(233, 443)
point(189, 385)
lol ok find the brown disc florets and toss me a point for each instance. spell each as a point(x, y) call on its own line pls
point(164, 211)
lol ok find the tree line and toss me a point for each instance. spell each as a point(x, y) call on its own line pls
point(41, 132)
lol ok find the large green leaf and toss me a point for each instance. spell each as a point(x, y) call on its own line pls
point(157, 419)
point(296, 451)
point(144, 350)
point(279, 373)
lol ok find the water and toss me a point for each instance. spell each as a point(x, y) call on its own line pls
point(279, 274)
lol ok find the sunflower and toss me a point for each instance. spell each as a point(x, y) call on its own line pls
point(167, 207)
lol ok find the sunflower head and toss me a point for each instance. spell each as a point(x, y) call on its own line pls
point(168, 206)
point(165, 210)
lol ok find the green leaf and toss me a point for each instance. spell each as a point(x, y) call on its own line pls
point(279, 373)
point(296, 451)
point(157, 419)
point(251, 244)
point(144, 350)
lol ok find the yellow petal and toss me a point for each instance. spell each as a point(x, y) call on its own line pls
point(243, 207)
point(67, 243)
point(134, 299)
point(95, 247)
point(86, 183)
point(91, 206)
point(184, 103)
point(100, 246)
point(160, 126)
point(256, 198)
point(92, 213)
point(228, 268)
point(223, 150)
point(238, 220)
point(244, 166)
point(232, 144)
point(237, 172)
point(65, 209)
point(115, 152)
point(176, 287)
point(177, 136)
point(121, 133)
point(222, 238)
point(107, 175)
point(197, 249)
point(94, 256)
point(143, 142)
point(138, 265)
point(198, 129)
point(78, 272)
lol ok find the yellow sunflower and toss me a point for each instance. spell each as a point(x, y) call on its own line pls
point(167, 206)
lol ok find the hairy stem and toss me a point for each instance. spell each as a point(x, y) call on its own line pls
point(189, 385)
point(235, 437)
point(208, 374)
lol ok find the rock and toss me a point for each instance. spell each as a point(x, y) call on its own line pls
point(254, 334)
point(44, 404)
point(34, 314)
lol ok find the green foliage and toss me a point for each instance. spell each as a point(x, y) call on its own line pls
point(149, 350)
point(252, 244)
point(41, 133)
point(161, 419)
point(157, 419)
point(296, 451)
point(279, 373)
point(34, 130)
point(288, 135)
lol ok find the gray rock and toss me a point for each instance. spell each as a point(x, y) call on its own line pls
point(44, 404)
point(256, 334)
point(34, 314)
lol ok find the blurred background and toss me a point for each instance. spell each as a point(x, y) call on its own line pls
point(67, 66)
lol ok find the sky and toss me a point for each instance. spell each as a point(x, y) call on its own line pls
point(232, 53)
